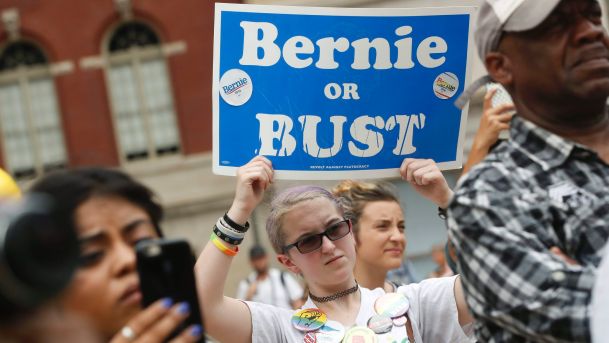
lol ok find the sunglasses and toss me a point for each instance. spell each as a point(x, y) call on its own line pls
point(309, 244)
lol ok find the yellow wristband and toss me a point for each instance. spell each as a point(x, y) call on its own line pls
point(223, 248)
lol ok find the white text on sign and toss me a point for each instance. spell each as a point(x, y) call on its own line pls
point(366, 130)
point(260, 37)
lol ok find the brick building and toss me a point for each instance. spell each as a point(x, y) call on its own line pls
point(117, 83)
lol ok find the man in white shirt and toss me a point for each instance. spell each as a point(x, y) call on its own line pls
point(269, 285)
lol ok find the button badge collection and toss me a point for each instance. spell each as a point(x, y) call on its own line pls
point(390, 308)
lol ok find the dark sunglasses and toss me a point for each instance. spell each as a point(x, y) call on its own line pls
point(309, 244)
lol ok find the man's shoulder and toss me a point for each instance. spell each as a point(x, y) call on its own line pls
point(501, 168)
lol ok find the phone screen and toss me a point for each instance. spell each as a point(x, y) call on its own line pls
point(166, 269)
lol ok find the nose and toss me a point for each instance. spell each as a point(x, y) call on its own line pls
point(397, 235)
point(587, 30)
point(124, 259)
point(327, 246)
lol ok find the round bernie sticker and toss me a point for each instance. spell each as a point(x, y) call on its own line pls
point(446, 85)
point(236, 87)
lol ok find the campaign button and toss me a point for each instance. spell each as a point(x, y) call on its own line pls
point(309, 337)
point(309, 319)
point(360, 334)
point(400, 321)
point(392, 304)
point(380, 323)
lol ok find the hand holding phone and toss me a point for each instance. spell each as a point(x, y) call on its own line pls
point(499, 111)
point(166, 270)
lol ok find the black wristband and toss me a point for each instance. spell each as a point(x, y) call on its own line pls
point(227, 239)
point(235, 225)
point(442, 213)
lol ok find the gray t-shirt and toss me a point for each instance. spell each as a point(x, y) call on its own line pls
point(433, 315)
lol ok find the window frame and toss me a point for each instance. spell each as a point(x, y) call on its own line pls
point(22, 76)
point(134, 57)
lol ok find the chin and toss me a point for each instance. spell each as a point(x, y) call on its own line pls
point(390, 263)
point(595, 88)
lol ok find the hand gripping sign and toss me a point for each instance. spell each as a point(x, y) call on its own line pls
point(328, 93)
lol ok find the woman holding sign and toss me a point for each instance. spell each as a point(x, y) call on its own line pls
point(311, 236)
point(378, 222)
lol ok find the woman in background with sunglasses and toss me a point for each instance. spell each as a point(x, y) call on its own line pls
point(311, 236)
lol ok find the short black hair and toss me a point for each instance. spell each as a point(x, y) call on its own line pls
point(256, 252)
point(68, 189)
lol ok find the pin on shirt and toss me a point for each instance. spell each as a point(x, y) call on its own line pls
point(309, 319)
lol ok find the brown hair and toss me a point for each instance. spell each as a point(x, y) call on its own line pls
point(355, 195)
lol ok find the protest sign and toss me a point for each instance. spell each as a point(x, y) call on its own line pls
point(330, 93)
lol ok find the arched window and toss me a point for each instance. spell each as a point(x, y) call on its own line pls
point(32, 137)
point(141, 94)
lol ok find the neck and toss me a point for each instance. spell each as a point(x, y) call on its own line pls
point(587, 123)
point(343, 309)
point(590, 131)
point(369, 276)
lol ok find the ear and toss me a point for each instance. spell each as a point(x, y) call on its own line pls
point(499, 68)
point(287, 262)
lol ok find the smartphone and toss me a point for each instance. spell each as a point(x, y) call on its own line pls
point(166, 269)
point(501, 97)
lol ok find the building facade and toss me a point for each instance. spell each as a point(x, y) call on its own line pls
point(115, 83)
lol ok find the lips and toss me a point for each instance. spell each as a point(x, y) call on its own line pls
point(598, 55)
point(131, 296)
point(396, 251)
point(332, 260)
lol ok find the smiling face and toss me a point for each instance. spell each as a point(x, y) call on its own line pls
point(330, 266)
point(380, 238)
point(105, 290)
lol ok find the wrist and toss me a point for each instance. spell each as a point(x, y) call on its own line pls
point(239, 214)
point(443, 203)
point(482, 144)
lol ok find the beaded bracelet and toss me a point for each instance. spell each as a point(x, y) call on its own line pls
point(228, 239)
point(223, 248)
point(234, 225)
point(229, 231)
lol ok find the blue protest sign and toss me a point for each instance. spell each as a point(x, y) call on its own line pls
point(329, 93)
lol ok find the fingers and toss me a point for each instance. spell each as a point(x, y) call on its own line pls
point(504, 118)
point(191, 334)
point(427, 175)
point(145, 319)
point(419, 171)
point(163, 327)
point(258, 169)
point(488, 99)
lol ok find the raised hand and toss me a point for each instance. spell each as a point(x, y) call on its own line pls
point(427, 179)
point(252, 180)
point(493, 121)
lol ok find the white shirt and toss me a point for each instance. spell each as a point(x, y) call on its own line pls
point(271, 290)
point(600, 302)
point(433, 315)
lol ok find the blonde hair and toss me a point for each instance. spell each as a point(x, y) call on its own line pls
point(284, 203)
point(355, 195)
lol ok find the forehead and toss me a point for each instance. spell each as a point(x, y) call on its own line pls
point(106, 213)
point(382, 210)
point(309, 216)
